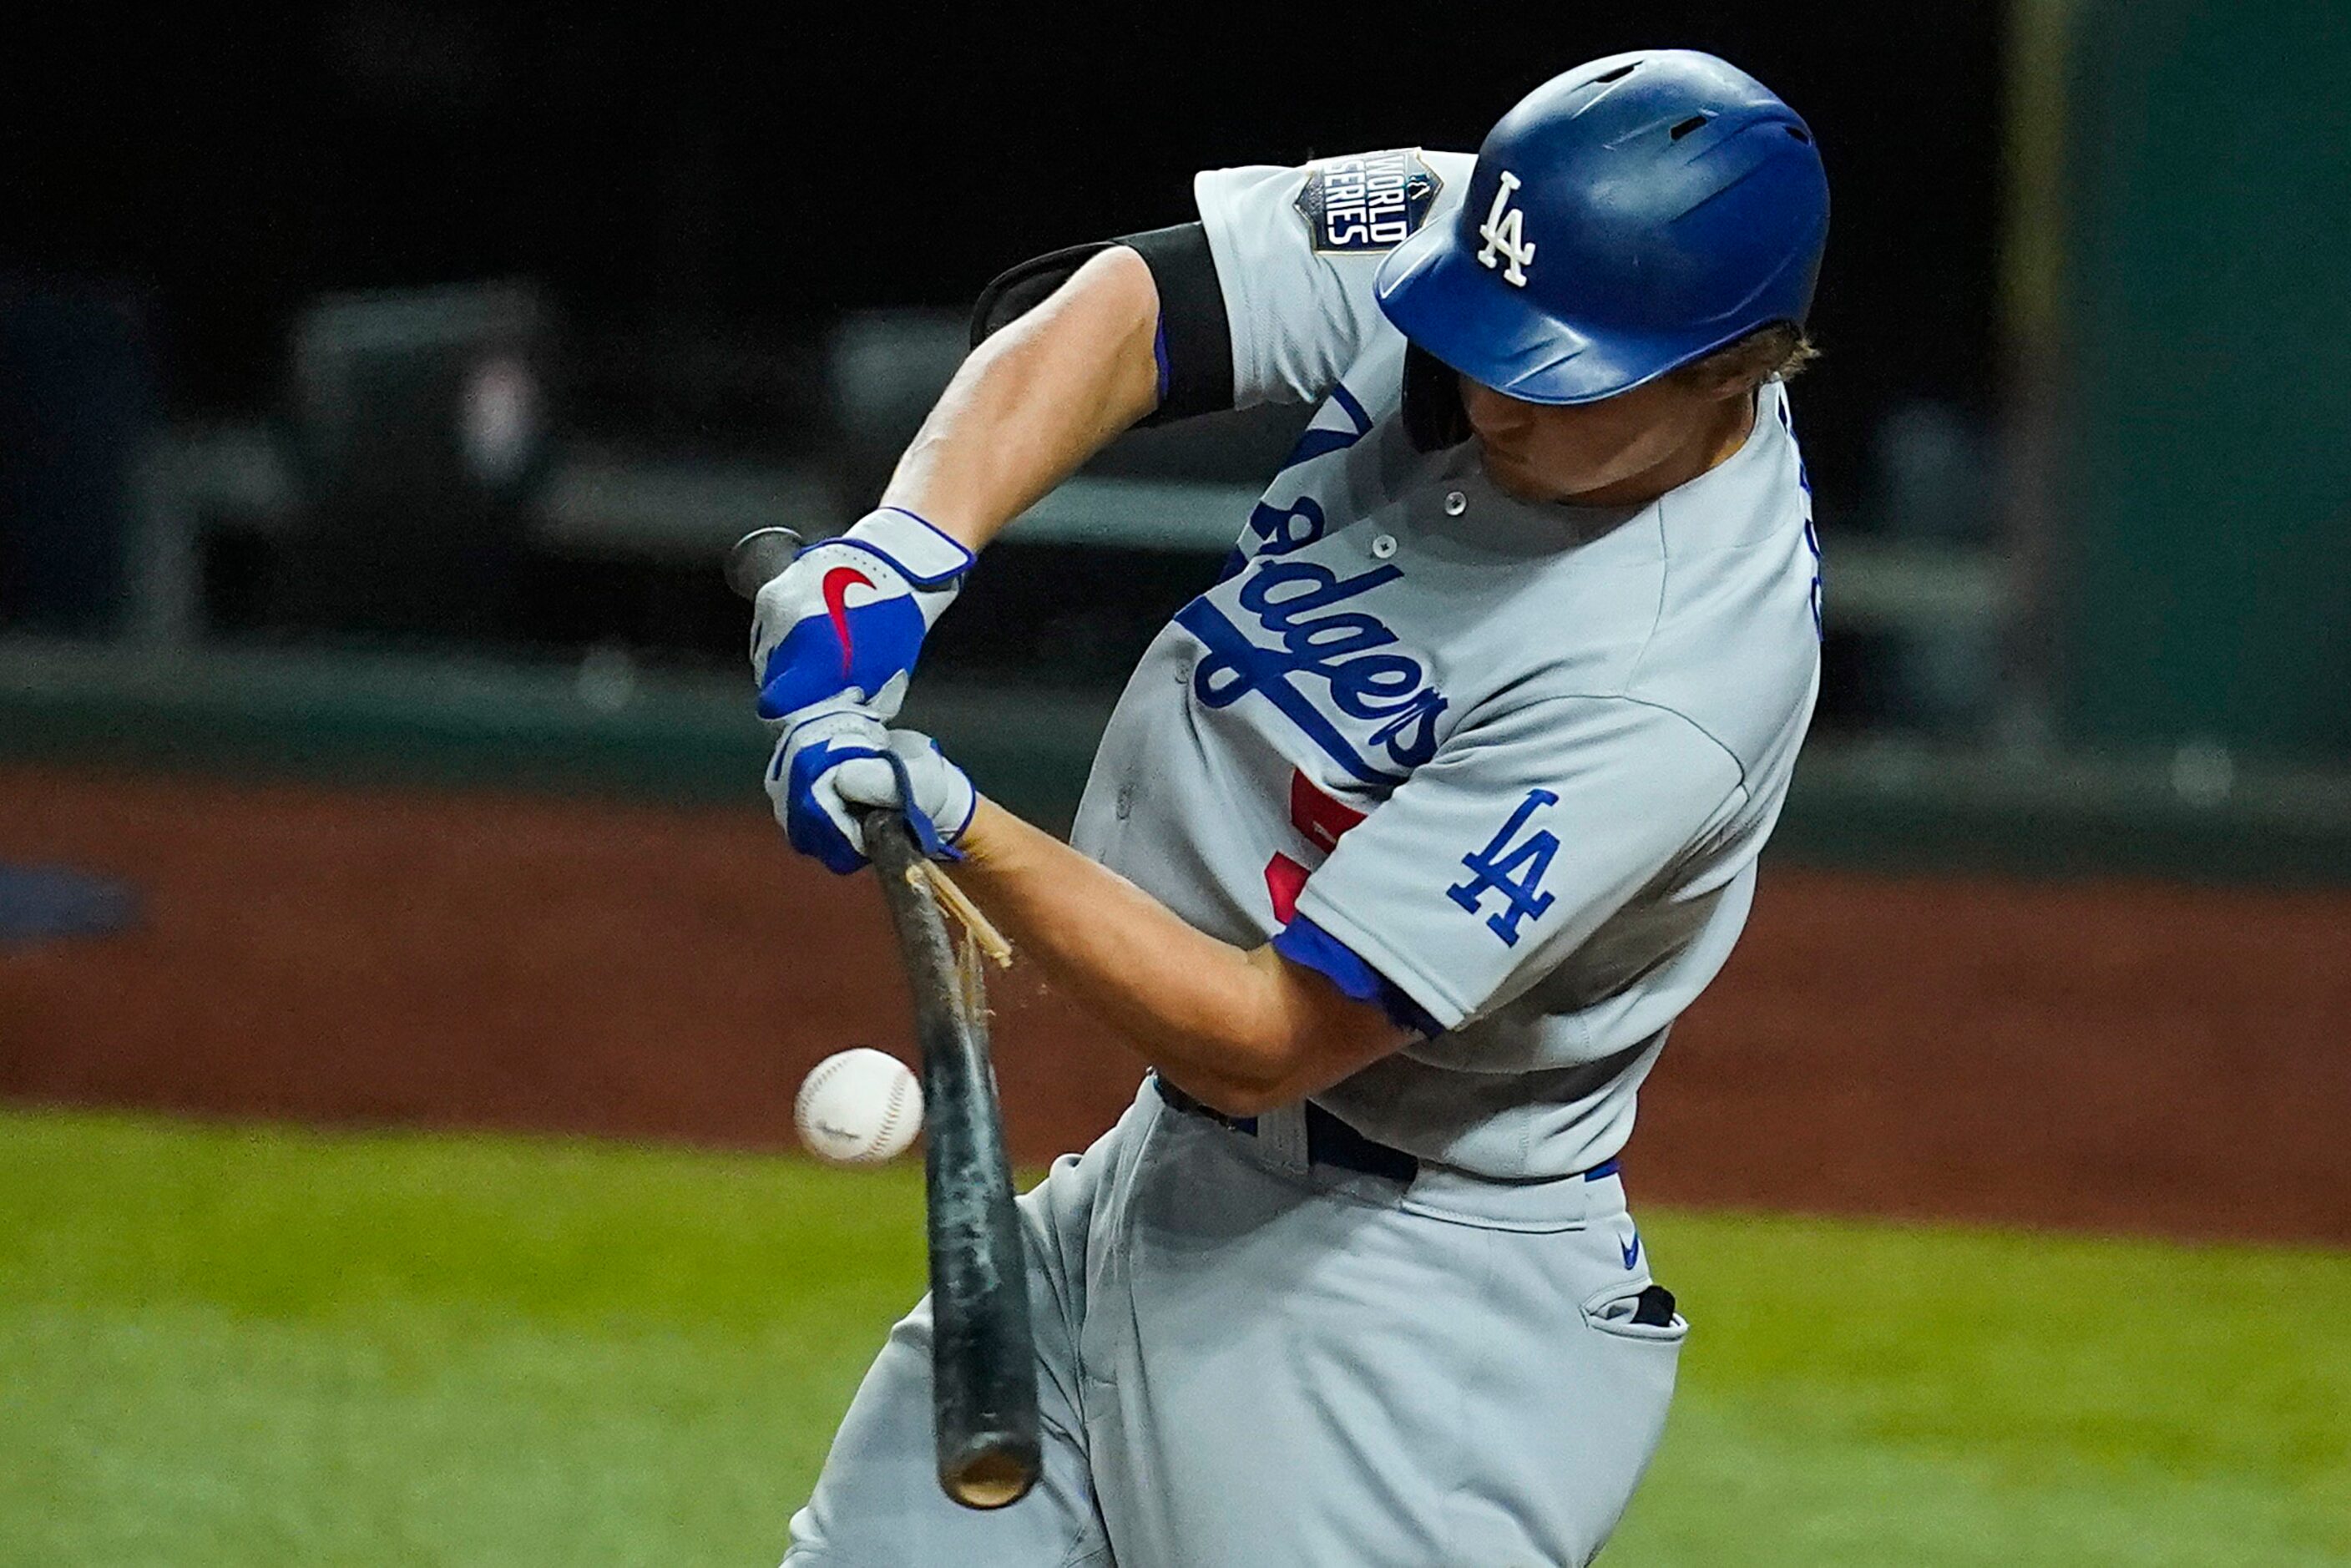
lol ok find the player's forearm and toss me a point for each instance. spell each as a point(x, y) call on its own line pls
point(1035, 400)
point(1190, 1003)
point(1231, 1025)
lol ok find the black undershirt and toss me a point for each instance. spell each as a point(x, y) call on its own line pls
point(1194, 345)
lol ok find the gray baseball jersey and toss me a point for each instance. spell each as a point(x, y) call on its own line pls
point(1507, 765)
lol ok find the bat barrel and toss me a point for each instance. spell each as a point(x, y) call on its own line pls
point(983, 1352)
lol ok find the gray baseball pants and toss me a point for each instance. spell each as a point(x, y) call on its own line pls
point(1246, 1361)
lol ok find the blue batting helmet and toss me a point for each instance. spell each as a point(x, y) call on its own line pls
point(1624, 218)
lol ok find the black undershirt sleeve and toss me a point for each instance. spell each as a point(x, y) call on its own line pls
point(1195, 347)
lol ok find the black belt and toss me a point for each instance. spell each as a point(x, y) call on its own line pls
point(1329, 1141)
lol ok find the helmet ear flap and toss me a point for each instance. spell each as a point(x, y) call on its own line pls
point(1433, 416)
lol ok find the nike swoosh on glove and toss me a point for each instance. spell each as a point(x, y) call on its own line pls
point(828, 766)
point(848, 617)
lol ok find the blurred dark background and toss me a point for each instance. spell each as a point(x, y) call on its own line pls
point(660, 172)
point(699, 204)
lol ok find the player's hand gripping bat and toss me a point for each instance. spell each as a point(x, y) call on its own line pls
point(983, 1353)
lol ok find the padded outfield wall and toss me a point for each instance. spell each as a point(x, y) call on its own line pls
point(2204, 487)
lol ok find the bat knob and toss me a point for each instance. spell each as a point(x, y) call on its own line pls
point(759, 558)
point(996, 1475)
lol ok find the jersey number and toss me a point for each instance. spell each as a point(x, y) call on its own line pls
point(1323, 821)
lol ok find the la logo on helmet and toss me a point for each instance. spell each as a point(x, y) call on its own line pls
point(1505, 233)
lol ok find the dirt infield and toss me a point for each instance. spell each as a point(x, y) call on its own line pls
point(2129, 1057)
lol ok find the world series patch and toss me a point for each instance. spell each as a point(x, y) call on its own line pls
point(1368, 203)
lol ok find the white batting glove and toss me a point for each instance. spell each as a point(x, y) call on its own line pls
point(828, 766)
point(846, 618)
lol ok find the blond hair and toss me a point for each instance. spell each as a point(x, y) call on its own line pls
point(1777, 352)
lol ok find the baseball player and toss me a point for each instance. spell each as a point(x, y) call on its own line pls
point(1405, 845)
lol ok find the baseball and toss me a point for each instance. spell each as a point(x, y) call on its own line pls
point(859, 1108)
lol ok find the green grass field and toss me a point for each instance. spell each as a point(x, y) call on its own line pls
point(231, 1346)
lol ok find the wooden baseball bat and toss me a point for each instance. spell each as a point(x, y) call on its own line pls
point(983, 1351)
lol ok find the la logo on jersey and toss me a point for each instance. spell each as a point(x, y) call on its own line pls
point(1505, 233)
point(1512, 866)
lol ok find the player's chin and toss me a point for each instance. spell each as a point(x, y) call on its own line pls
point(1513, 475)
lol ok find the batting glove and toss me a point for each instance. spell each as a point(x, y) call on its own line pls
point(848, 617)
point(829, 764)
